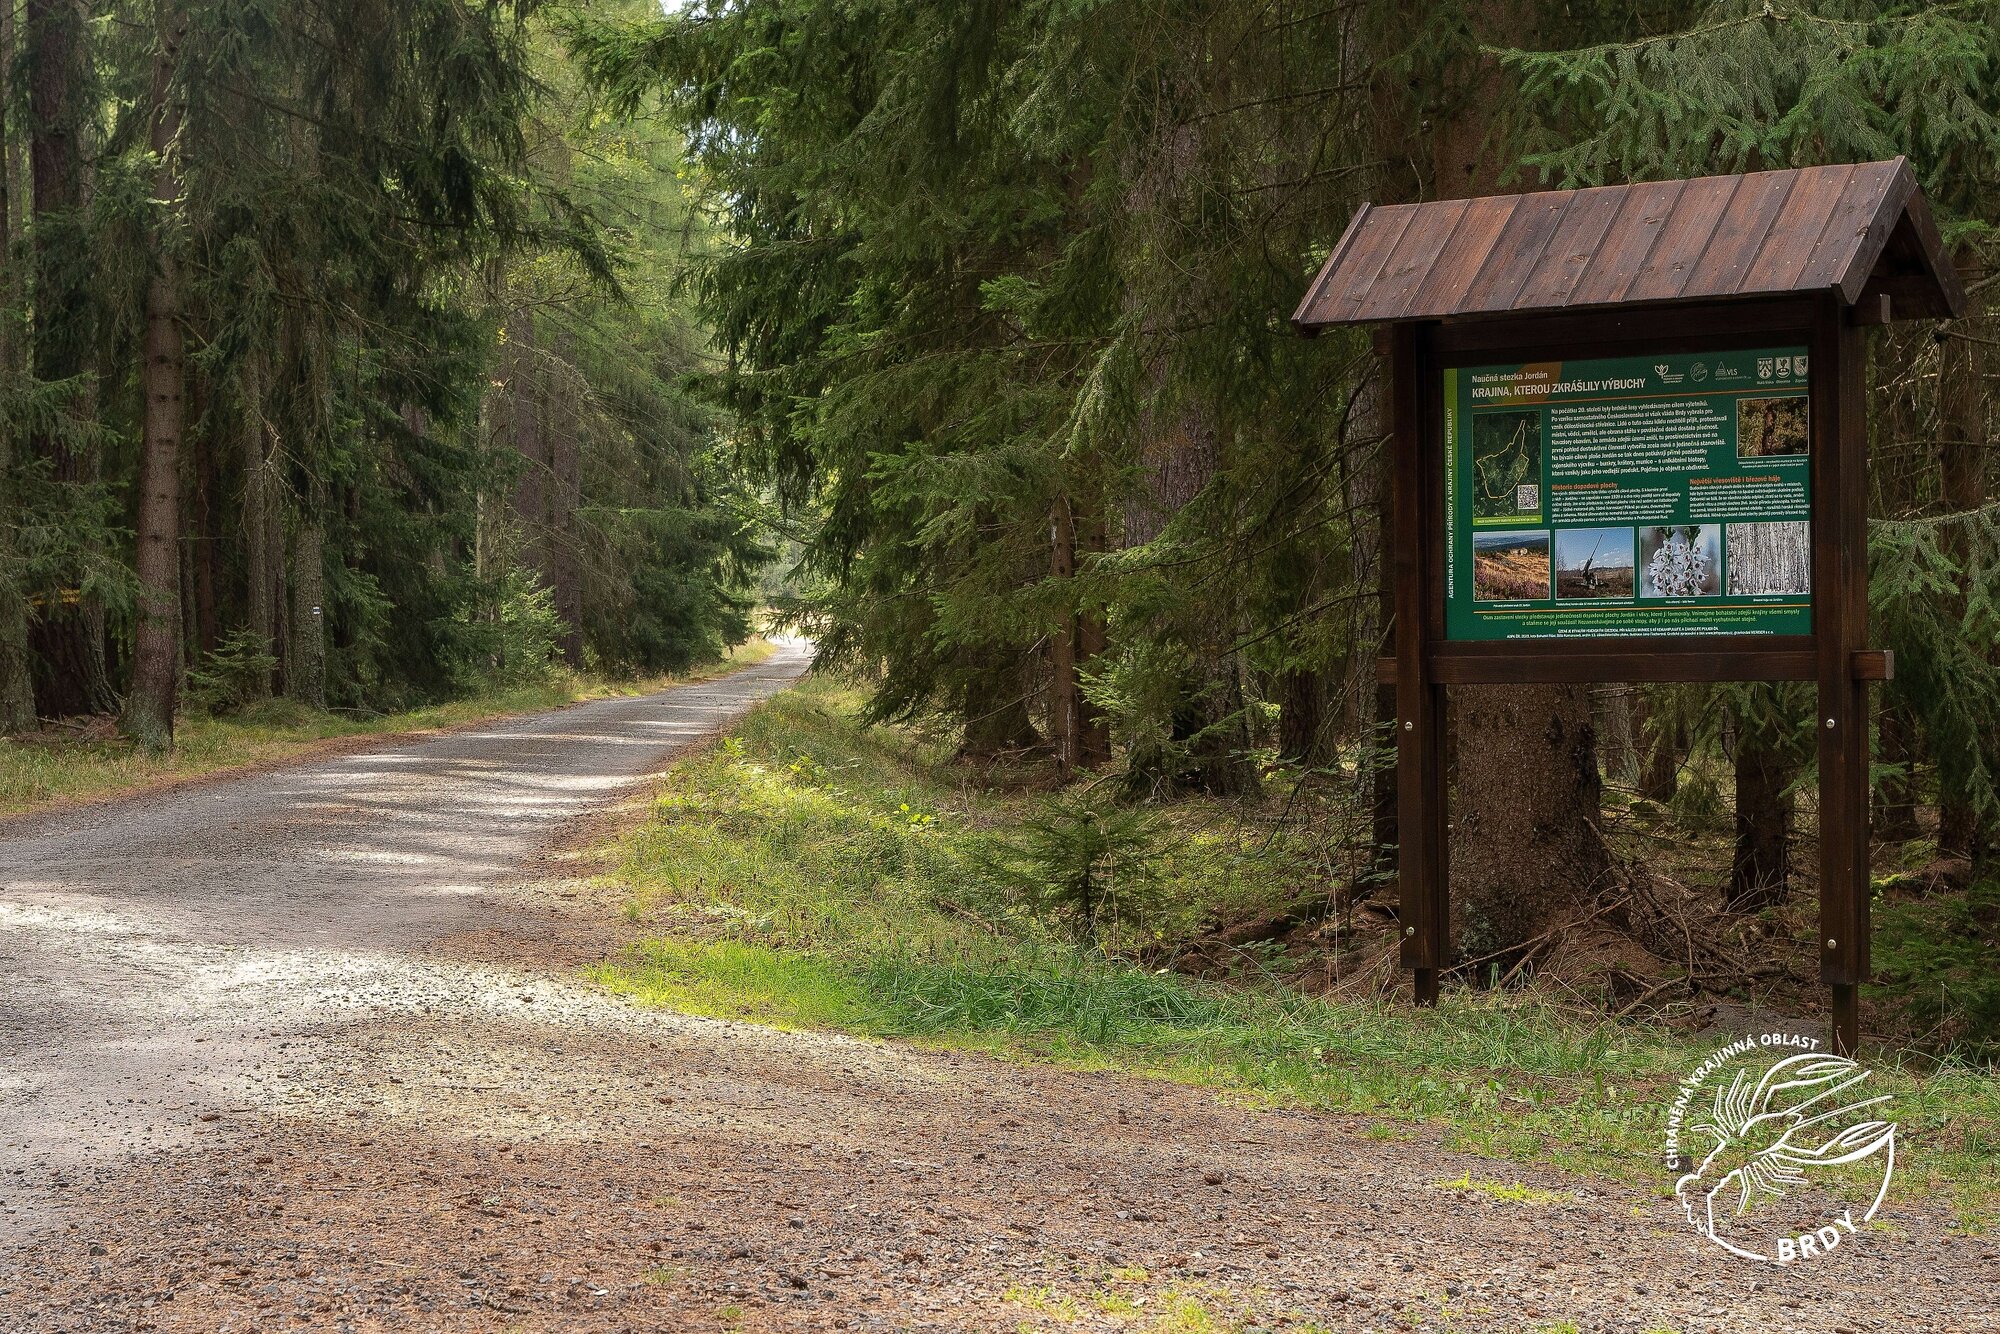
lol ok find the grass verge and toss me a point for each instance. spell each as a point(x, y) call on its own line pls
point(809, 872)
point(52, 767)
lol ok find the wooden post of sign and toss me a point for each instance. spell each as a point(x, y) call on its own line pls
point(1840, 602)
point(1420, 702)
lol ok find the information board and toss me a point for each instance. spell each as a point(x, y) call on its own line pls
point(1638, 496)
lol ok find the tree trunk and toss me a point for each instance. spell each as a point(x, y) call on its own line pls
point(1303, 725)
point(12, 206)
point(1207, 727)
point(1065, 699)
point(1526, 850)
point(57, 64)
point(205, 527)
point(68, 636)
point(1896, 797)
point(563, 542)
point(261, 540)
point(1180, 452)
point(995, 709)
point(531, 484)
point(1094, 731)
point(1661, 745)
point(1620, 751)
point(149, 706)
point(1371, 500)
point(190, 615)
point(1962, 444)
point(286, 650)
point(305, 666)
point(1760, 875)
point(17, 682)
point(1076, 731)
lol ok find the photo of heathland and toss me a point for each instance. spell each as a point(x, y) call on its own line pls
point(1506, 465)
point(1771, 427)
point(1595, 563)
point(1767, 558)
point(1682, 561)
point(1510, 567)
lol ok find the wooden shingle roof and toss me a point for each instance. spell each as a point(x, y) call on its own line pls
point(1860, 230)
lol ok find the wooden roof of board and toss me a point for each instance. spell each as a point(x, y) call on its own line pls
point(1862, 231)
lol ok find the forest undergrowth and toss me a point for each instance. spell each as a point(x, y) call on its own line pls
point(813, 872)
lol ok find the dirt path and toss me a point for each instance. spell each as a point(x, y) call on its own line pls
point(308, 1051)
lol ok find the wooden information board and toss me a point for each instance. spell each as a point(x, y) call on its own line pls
point(1630, 445)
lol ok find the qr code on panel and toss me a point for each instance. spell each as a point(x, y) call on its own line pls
point(1528, 497)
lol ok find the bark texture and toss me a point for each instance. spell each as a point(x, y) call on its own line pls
point(1526, 852)
point(68, 634)
point(1208, 728)
point(1962, 444)
point(561, 542)
point(305, 665)
point(995, 708)
point(205, 533)
point(12, 182)
point(531, 482)
point(1896, 797)
point(1760, 873)
point(1662, 744)
point(262, 539)
point(148, 716)
point(1079, 735)
point(17, 682)
point(543, 425)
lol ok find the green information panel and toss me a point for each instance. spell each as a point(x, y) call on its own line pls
point(1638, 496)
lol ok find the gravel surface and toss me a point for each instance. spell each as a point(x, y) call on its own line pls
point(308, 1050)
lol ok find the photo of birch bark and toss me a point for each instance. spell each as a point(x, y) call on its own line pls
point(1769, 558)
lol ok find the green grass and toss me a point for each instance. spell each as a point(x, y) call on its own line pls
point(1517, 1193)
point(812, 873)
point(51, 768)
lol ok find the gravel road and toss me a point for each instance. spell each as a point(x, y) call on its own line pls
point(155, 951)
point(309, 1049)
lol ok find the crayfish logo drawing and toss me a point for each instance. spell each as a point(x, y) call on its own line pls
point(1790, 1156)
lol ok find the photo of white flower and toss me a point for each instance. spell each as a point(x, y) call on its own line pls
point(1683, 561)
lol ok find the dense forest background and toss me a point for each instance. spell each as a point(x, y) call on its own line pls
point(339, 359)
point(368, 352)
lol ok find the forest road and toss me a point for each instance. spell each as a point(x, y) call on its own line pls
point(160, 952)
point(315, 1049)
